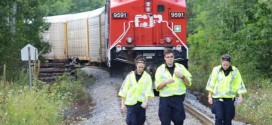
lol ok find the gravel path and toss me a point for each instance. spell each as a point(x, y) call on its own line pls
point(107, 103)
point(104, 91)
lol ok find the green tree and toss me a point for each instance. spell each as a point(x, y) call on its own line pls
point(60, 7)
point(21, 23)
point(241, 28)
point(85, 5)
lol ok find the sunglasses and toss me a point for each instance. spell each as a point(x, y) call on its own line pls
point(140, 61)
point(226, 58)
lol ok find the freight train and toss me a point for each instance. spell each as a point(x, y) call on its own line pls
point(120, 31)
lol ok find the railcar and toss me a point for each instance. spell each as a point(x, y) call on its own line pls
point(80, 35)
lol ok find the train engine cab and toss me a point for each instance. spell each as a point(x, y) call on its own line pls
point(146, 27)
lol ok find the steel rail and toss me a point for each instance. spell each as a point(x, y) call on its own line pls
point(204, 119)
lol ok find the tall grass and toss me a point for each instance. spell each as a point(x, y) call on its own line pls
point(257, 104)
point(30, 107)
point(41, 105)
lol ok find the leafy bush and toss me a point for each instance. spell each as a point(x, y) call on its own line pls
point(66, 89)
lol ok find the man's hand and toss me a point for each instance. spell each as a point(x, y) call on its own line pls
point(169, 81)
point(164, 83)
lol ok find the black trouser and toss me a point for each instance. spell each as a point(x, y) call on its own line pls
point(224, 110)
point(135, 114)
point(172, 109)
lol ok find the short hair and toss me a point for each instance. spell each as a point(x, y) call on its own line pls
point(140, 59)
point(226, 57)
point(167, 51)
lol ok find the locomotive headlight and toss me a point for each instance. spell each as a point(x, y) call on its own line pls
point(118, 48)
point(168, 40)
point(148, 4)
point(148, 9)
point(178, 48)
point(129, 40)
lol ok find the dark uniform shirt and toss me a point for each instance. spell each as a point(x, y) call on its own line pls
point(170, 69)
point(138, 76)
point(226, 72)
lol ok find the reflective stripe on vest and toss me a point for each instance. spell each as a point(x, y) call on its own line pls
point(242, 87)
point(209, 83)
point(230, 92)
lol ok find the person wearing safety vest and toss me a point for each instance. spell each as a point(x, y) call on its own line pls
point(171, 80)
point(224, 83)
point(135, 92)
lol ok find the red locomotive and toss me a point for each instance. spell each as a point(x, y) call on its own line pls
point(146, 27)
point(119, 32)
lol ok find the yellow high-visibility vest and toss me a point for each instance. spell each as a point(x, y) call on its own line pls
point(134, 91)
point(225, 86)
point(176, 88)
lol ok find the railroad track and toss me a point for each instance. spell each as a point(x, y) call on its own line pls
point(50, 70)
point(203, 118)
